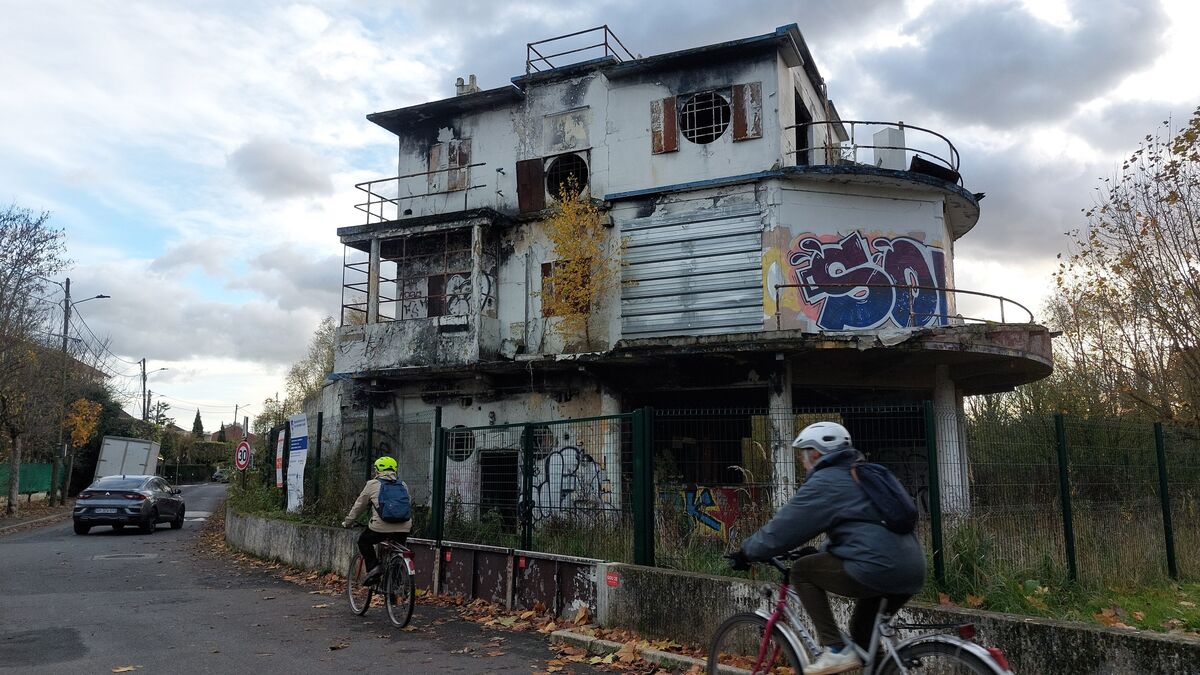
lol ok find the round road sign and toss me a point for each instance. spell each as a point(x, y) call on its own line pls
point(241, 456)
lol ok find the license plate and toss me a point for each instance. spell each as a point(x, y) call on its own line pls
point(106, 510)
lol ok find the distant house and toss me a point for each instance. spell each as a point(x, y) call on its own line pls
point(233, 432)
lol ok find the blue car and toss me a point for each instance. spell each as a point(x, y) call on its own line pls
point(143, 501)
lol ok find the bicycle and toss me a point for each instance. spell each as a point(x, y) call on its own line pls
point(399, 593)
point(778, 642)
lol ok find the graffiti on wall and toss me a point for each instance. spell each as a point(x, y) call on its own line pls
point(714, 510)
point(569, 480)
point(855, 281)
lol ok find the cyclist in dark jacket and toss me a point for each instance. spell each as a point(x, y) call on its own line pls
point(860, 559)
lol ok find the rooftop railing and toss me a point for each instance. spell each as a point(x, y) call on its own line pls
point(929, 152)
point(596, 39)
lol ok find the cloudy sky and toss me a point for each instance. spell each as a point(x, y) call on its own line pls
point(200, 155)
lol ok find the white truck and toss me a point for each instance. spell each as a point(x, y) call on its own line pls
point(126, 456)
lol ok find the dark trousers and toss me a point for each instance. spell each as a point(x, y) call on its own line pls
point(815, 574)
point(369, 538)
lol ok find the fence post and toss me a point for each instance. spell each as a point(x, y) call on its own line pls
point(643, 487)
point(1160, 449)
point(1064, 491)
point(526, 507)
point(287, 456)
point(317, 473)
point(935, 496)
point(439, 477)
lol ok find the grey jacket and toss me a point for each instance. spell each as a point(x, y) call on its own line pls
point(831, 502)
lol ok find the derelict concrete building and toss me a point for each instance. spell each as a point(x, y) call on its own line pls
point(772, 255)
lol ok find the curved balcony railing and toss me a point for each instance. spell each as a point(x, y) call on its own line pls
point(917, 319)
point(928, 145)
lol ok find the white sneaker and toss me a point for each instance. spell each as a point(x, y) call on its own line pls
point(834, 662)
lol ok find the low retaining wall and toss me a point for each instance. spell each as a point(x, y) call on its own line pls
point(687, 607)
point(633, 597)
point(516, 579)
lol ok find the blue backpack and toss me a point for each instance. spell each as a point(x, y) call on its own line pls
point(395, 506)
point(888, 495)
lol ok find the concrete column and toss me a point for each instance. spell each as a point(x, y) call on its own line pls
point(610, 404)
point(476, 273)
point(373, 283)
point(953, 465)
point(783, 458)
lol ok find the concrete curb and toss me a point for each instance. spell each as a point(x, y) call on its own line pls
point(595, 645)
point(43, 519)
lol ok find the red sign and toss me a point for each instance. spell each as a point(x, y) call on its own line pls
point(612, 579)
point(241, 456)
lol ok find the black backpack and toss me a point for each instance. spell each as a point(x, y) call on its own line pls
point(887, 494)
point(395, 506)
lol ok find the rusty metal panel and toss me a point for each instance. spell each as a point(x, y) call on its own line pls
point(576, 588)
point(437, 160)
point(693, 272)
point(425, 559)
point(664, 126)
point(458, 566)
point(747, 111)
point(460, 156)
point(531, 189)
point(491, 576)
point(536, 581)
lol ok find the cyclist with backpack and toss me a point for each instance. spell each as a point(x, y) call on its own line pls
point(870, 554)
point(391, 514)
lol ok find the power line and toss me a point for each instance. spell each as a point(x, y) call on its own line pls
point(101, 342)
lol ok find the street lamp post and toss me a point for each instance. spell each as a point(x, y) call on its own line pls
point(56, 466)
point(145, 398)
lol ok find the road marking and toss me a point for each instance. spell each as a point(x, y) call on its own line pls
point(125, 556)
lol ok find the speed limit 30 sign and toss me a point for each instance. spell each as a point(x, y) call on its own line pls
point(241, 456)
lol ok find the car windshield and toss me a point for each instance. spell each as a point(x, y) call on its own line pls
point(118, 483)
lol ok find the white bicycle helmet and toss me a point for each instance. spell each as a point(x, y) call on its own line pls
point(825, 437)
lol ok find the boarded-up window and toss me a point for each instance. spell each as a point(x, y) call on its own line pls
point(747, 111)
point(531, 189)
point(448, 164)
point(664, 126)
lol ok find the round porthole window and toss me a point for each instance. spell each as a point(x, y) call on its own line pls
point(460, 443)
point(566, 172)
point(704, 117)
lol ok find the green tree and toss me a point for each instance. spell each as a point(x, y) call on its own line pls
point(197, 426)
point(306, 377)
point(1129, 291)
point(30, 251)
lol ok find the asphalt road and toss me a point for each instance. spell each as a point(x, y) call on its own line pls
point(95, 603)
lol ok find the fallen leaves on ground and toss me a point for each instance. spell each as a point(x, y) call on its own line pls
point(338, 645)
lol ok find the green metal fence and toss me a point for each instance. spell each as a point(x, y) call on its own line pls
point(1043, 497)
point(570, 487)
point(34, 478)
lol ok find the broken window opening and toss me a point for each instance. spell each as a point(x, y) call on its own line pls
point(704, 117)
point(560, 173)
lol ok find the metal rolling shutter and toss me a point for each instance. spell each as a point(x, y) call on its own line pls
point(695, 273)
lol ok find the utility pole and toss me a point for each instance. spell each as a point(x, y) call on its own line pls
point(235, 409)
point(145, 403)
point(56, 468)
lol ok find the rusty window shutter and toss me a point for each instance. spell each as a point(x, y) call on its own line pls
point(747, 111)
point(437, 160)
point(531, 190)
point(664, 126)
point(460, 156)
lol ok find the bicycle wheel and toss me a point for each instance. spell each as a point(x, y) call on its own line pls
point(739, 646)
point(399, 595)
point(937, 658)
point(360, 595)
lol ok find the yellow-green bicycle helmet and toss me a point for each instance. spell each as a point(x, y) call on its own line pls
point(385, 463)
